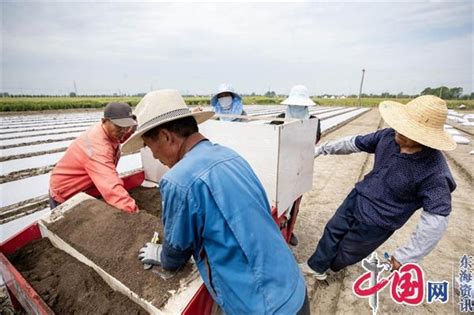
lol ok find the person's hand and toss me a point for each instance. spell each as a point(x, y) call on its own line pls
point(395, 263)
point(197, 109)
point(318, 151)
point(150, 254)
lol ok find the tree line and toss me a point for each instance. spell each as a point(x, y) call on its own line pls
point(443, 91)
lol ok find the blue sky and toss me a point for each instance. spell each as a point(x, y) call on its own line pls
point(137, 46)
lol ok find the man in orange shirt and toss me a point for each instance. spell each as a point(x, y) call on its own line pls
point(91, 159)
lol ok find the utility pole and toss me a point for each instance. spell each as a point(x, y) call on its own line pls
point(75, 87)
point(361, 83)
point(440, 92)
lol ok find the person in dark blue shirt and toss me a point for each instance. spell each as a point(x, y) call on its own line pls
point(409, 173)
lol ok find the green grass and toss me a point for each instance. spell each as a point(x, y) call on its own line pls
point(9, 104)
point(373, 102)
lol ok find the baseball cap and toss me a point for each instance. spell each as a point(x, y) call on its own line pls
point(120, 114)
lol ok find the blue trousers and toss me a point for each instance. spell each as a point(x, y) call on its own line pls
point(346, 240)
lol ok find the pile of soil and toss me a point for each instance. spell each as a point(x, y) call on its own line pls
point(147, 199)
point(112, 239)
point(67, 285)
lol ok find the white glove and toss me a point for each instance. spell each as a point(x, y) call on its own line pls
point(150, 254)
point(319, 150)
point(345, 145)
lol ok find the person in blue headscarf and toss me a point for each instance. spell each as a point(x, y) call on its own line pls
point(227, 102)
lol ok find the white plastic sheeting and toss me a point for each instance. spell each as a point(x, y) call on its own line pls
point(4, 132)
point(35, 148)
point(461, 140)
point(469, 116)
point(8, 126)
point(336, 112)
point(453, 132)
point(29, 162)
point(24, 134)
point(23, 189)
point(34, 119)
point(12, 228)
point(334, 121)
point(35, 186)
point(58, 137)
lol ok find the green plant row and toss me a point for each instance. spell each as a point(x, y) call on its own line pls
point(8, 104)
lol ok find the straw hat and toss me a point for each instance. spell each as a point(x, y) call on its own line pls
point(422, 120)
point(299, 96)
point(157, 108)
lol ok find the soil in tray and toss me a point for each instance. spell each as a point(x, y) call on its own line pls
point(147, 199)
point(67, 285)
point(112, 238)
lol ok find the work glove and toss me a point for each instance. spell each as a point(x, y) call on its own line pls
point(150, 254)
point(344, 145)
point(318, 150)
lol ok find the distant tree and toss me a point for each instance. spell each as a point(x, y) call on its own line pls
point(270, 94)
point(427, 91)
point(72, 94)
point(456, 92)
point(444, 92)
point(387, 95)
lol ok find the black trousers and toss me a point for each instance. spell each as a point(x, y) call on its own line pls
point(346, 240)
point(305, 310)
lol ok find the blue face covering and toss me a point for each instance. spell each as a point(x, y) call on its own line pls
point(297, 112)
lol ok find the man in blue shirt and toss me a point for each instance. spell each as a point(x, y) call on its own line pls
point(216, 210)
point(410, 172)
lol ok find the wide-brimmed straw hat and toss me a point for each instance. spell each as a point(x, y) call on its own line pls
point(421, 120)
point(157, 108)
point(299, 96)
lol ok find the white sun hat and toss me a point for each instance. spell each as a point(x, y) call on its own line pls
point(157, 108)
point(299, 96)
point(224, 88)
point(422, 120)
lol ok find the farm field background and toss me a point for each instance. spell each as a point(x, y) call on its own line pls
point(14, 104)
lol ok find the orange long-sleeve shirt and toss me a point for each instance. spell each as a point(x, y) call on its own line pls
point(90, 160)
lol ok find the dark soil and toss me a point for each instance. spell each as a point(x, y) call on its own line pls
point(112, 239)
point(67, 285)
point(148, 200)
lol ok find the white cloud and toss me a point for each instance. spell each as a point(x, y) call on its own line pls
point(254, 46)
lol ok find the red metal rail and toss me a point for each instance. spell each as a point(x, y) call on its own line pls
point(17, 286)
point(201, 303)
